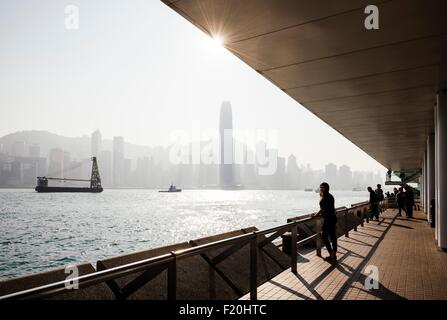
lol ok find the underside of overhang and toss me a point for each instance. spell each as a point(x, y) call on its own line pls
point(376, 87)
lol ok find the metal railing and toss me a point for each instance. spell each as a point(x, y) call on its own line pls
point(153, 266)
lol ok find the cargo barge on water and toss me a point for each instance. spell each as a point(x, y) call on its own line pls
point(95, 182)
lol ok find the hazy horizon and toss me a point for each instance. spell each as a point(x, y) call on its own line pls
point(142, 72)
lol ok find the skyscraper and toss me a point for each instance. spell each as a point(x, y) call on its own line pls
point(66, 164)
point(18, 149)
point(331, 175)
point(105, 167)
point(345, 177)
point(96, 143)
point(34, 151)
point(118, 161)
point(293, 172)
point(56, 163)
point(226, 146)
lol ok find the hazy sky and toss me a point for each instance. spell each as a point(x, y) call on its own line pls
point(137, 69)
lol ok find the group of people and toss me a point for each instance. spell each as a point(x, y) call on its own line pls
point(375, 197)
point(404, 199)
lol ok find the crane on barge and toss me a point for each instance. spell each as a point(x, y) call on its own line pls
point(95, 182)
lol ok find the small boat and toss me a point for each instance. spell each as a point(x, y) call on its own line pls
point(356, 189)
point(308, 189)
point(172, 188)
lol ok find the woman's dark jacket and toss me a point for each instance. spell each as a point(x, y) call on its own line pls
point(327, 206)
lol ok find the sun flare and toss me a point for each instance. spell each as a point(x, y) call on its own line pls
point(216, 43)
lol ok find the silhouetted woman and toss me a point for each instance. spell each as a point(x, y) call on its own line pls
point(400, 199)
point(327, 212)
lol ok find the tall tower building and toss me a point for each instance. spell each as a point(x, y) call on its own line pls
point(345, 177)
point(18, 149)
point(293, 172)
point(34, 151)
point(226, 172)
point(105, 167)
point(96, 143)
point(66, 165)
point(56, 163)
point(118, 161)
point(331, 175)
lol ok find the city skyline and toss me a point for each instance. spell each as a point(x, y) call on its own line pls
point(155, 170)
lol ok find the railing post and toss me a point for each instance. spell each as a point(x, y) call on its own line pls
point(346, 224)
point(362, 217)
point(353, 216)
point(293, 253)
point(318, 239)
point(367, 213)
point(254, 268)
point(172, 278)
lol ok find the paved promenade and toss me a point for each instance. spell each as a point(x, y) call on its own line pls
point(409, 265)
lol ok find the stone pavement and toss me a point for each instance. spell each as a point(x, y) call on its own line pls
point(408, 262)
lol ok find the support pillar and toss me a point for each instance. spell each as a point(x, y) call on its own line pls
point(430, 165)
point(441, 170)
point(423, 183)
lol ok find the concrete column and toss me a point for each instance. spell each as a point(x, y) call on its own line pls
point(441, 170)
point(430, 169)
point(426, 200)
point(423, 183)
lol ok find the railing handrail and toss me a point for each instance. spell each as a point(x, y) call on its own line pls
point(141, 265)
point(94, 277)
point(123, 270)
point(359, 204)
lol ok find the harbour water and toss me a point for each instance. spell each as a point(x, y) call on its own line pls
point(44, 231)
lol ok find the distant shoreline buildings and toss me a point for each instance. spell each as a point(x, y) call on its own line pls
point(21, 162)
point(156, 171)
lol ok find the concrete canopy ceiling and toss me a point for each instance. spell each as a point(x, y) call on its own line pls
point(376, 87)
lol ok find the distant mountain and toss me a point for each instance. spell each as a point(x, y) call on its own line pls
point(79, 147)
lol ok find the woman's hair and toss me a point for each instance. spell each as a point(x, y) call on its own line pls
point(326, 187)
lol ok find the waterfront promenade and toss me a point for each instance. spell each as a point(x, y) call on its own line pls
point(410, 265)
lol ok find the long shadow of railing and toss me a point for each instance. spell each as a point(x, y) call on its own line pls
point(358, 276)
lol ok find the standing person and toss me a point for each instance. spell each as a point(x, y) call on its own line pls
point(409, 200)
point(395, 191)
point(400, 199)
point(374, 205)
point(379, 198)
point(327, 212)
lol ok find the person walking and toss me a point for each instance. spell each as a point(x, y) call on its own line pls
point(373, 204)
point(327, 212)
point(400, 199)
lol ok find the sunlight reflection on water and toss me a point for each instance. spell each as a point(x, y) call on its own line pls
point(42, 231)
